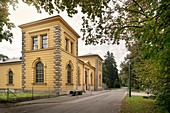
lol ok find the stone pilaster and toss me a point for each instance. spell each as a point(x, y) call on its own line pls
point(77, 65)
point(96, 74)
point(23, 60)
point(57, 58)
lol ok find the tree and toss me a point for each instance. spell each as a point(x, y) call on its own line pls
point(110, 71)
point(133, 57)
point(107, 20)
point(113, 20)
point(3, 57)
point(89, 7)
point(5, 24)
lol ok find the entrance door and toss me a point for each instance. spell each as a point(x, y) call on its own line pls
point(86, 79)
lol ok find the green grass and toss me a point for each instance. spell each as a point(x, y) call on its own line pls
point(3, 96)
point(17, 104)
point(137, 104)
point(113, 88)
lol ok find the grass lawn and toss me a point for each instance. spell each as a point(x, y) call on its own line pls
point(113, 88)
point(137, 104)
point(3, 96)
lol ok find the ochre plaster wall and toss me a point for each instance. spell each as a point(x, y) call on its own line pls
point(4, 74)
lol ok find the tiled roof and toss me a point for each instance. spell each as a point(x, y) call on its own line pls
point(12, 60)
point(90, 54)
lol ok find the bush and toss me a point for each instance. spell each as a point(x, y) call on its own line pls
point(117, 84)
point(163, 102)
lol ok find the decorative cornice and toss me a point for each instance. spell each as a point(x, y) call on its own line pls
point(51, 19)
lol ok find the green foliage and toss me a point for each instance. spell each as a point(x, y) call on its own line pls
point(3, 57)
point(91, 8)
point(164, 102)
point(110, 71)
point(5, 24)
point(117, 84)
point(113, 88)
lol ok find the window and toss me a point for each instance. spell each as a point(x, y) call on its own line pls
point(86, 78)
point(35, 43)
point(100, 80)
point(44, 41)
point(68, 73)
point(71, 47)
point(91, 79)
point(39, 72)
point(10, 77)
point(66, 41)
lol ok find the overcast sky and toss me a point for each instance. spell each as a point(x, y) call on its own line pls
point(24, 14)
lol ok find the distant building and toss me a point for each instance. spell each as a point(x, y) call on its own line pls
point(50, 60)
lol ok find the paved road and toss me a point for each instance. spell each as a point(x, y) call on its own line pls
point(108, 102)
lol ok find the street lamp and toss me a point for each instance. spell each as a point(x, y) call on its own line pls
point(129, 79)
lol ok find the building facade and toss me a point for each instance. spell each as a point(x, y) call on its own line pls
point(50, 59)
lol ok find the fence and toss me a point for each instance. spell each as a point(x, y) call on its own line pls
point(31, 93)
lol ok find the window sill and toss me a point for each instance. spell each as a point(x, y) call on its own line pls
point(69, 84)
point(48, 48)
point(10, 84)
point(39, 83)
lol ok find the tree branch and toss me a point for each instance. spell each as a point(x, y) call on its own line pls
point(134, 11)
point(130, 26)
point(140, 8)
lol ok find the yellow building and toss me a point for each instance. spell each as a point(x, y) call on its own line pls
point(10, 74)
point(50, 60)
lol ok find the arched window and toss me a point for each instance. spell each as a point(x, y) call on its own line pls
point(68, 73)
point(39, 72)
point(10, 77)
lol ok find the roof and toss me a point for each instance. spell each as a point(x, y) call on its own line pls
point(54, 18)
point(85, 62)
point(90, 54)
point(12, 60)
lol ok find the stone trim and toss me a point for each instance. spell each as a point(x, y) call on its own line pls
point(96, 88)
point(57, 58)
point(23, 60)
point(77, 66)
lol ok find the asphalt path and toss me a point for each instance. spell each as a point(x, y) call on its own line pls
point(107, 102)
